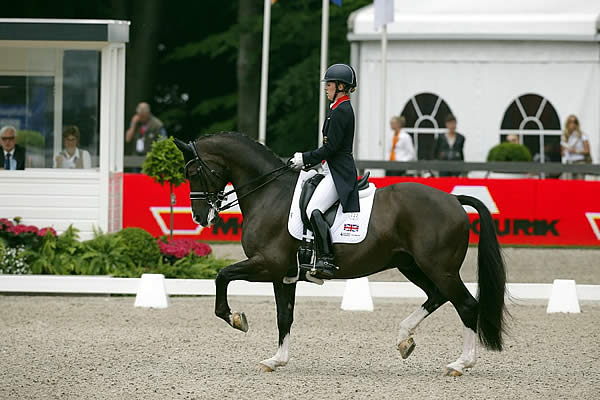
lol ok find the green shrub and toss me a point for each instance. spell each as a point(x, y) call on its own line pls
point(30, 139)
point(191, 266)
point(141, 247)
point(164, 163)
point(103, 255)
point(509, 152)
point(57, 255)
point(129, 253)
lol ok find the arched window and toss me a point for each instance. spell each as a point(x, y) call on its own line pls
point(536, 123)
point(425, 114)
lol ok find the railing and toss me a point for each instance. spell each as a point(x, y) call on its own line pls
point(451, 166)
point(460, 166)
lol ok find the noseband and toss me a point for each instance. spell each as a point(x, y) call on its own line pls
point(214, 199)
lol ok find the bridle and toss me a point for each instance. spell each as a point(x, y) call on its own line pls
point(214, 199)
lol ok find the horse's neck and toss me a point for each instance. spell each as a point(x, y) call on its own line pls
point(247, 164)
point(268, 195)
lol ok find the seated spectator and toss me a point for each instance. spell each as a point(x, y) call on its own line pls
point(72, 156)
point(449, 146)
point(402, 145)
point(574, 145)
point(12, 156)
point(512, 138)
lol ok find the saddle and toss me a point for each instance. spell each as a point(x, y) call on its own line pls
point(306, 252)
point(308, 189)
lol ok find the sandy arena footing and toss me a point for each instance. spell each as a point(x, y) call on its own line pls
point(104, 348)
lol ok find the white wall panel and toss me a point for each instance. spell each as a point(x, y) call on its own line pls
point(52, 198)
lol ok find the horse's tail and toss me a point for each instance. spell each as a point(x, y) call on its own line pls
point(491, 279)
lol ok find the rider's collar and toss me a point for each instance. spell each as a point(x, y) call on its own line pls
point(339, 101)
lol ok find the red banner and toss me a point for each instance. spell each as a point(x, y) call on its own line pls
point(528, 211)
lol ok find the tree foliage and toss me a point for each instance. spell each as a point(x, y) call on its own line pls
point(164, 163)
point(293, 103)
point(183, 58)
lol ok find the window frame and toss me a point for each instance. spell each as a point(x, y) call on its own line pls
point(416, 130)
point(521, 131)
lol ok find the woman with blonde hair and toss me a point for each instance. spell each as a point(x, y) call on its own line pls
point(402, 146)
point(574, 145)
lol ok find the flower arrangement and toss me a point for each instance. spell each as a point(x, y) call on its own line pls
point(13, 261)
point(16, 234)
point(27, 249)
point(179, 248)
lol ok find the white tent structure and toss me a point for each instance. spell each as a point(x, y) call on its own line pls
point(500, 66)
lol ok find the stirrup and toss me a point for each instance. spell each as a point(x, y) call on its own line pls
point(326, 270)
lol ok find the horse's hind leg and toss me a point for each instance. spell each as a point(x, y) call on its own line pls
point(435, 299)
point(285, 297)
point(466, 306)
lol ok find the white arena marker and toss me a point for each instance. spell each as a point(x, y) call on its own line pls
point(357, 295)
point(563, 297)
point(152, 292)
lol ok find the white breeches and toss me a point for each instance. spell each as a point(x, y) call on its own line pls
point(325, 194)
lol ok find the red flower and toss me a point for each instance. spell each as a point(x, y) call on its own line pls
point(180, 248)
point(18, 229)
point(5, 223)
point(43, 231)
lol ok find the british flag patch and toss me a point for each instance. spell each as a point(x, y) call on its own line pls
point(351, 227)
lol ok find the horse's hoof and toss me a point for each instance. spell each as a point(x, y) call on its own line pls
point(406, 347)
point(452, 372)
point(264, 368)
point(239, 321)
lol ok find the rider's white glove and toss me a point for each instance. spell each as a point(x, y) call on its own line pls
point(297, 161)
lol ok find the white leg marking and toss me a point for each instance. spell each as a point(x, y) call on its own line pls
point(280, 359)
point(469, 355)
point(408, 326)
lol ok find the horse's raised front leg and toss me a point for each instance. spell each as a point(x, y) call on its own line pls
point(285, 297)
point(243, 270)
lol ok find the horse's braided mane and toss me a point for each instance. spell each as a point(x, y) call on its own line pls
point(263, 149)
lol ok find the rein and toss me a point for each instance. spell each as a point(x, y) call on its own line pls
point(214, 199)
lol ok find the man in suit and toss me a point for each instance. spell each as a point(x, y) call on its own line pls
point(12, 156)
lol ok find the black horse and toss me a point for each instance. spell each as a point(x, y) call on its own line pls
point(420, 230)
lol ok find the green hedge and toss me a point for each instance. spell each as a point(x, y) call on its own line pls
point(128, 253)
point(509, 152)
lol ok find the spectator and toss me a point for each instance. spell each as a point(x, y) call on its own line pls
point(512, 138)
point(12, 155)
point(574, 145)
point(145, 128)
point(402, 146)
point(72, 156)
point(449, 146)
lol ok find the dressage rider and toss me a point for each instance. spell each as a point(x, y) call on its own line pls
point(340, 181)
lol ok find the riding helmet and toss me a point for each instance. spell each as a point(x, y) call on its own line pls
point(341, 73)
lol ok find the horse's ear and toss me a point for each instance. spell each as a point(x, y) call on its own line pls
point(185, 148)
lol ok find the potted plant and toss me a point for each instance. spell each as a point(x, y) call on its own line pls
point(164, 163)
point(508, 152)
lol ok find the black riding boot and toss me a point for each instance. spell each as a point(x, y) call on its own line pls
point(324, 264)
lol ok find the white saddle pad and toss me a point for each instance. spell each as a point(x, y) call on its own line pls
point(347, 227)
